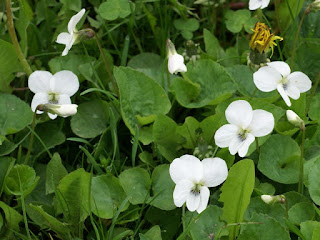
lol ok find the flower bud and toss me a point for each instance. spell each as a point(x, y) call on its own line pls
point(268, 199)
point(175, 60)
point(63, 110)
point(294, 119)
point(315, 6)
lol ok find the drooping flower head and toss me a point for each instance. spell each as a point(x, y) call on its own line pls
point(63, 110)
point(262, 40)
point(255, 4)
point(244, 125)
point(52, 89)
point(175, 60)
point(69, 38)
point(294, 119)
point(193, 179)
point(277, 75)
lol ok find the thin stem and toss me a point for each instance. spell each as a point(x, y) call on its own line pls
point(254, 92)
point(107, 65)
point(287, 208)
point(215, 151)
point(183, 217)
point(297, 35)
point(300, 186)
point(31, 136)
point(257, 145)
point(312, 93)
point(24, 210)
point(14, 39)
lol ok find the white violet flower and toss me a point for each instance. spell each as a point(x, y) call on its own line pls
point(193, 179)
point(244, 125)
point(175, 60)
point(52, 89)
point(294, 119)
point(63, 110)
point(255, 4)
point(70, 38)
point(277, 75)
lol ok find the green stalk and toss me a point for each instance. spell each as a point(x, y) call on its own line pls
point(14, 39)
point(31, 136)
point(183, 216)
point(24, 210)
point(300, 186)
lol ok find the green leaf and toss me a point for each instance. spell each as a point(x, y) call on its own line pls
point(287, 12)
point(136, 182)
point(209, 224)
point(107, 195)
point(212, 45)
point(6, 163)
point(153, 234)
point(74, 5)
point(269, 229)
point(69, 62)
point(314, 182)
point(51, 222)
point(54, 173)
point(91, 119)
point(162, 188)
point(314, 112)
point(73, 196)
point(236, 193)
point(211, 92)
point(301, 212)
point(21, 180)
point(189, 131)
point(15, 114)
point(139, 96)
point(22, 23)
point(113, 9)
point(309, 228)
point(279, 159)
point(235, 20)
point(190, 24)
point(13, 218)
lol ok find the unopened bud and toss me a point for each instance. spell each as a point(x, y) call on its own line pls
point(63, 110)
point(315, 6)
point(268, 199)
point(294, 119)
point(85, 34)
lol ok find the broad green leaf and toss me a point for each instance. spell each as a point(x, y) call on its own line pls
point(107, 196)
point(287, 12)
point(189, 132)
point(209, 224)
point(54, 173)
point(314, 182)
point(186, 26)
point(91, 119)
point(12, 217)
point(294, 198)
point(6, 163)
point(314, 112)
point(139, 96)
point(74, 5)
point(73, 196)
point(279, 159)
point(162, 188)
point(15, 114)
point(265, 188)
point(20, 180)
point(22, 23)
point(236, 193)
point(210, 125)
point(136, 182)
point(215, 83)
point(153, 234)
point(212, 45)
point(301, 212)
point(308, 228)
point(166, 137)
point(113, 9)
point(236, 20)
point(51, 222)
point(269, 229)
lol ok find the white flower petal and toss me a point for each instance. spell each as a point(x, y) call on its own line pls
point(39, 81)
point(235, 145)
point(181, 192)
point(74, 20)
point(204, 199)
point(292, 91)
point(225, 134)
point(282, 67)
point(265, 3)
point(215, 171)
point(64, 82)
point(193, 201)
point(300, 80)
point(239, 113)
point(64, 99)
point(176, 64)
point(283, 94)
point(69, 45)
point(266, 79)
point(254, 4)
point(64, 38)
point(243, 149)
point(187, 167)
point(262, 123)
point(39, 98)
point(52, 116)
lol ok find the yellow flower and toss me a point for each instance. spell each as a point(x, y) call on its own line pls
point(262, 39)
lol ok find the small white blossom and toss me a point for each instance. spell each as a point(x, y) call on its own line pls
point(255, 4)
point(52, 89)
point(193, 179)
point(277, 75)
point(63, 110)
point(267, 198)
point(175, 60)
point(294, 119)
point(244, 125)
point(70, 38)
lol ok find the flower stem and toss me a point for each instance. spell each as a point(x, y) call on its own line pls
point(107, 65)
point(183, 216)
point(257, 145)
point(31, 136)
point(300, 186)
point(24, 210)
point(14, 39)
point(306, 11)
point(287, 208)
point(312, 93)
point(254, 92)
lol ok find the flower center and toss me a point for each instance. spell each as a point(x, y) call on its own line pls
point(242, 134)
point(284, 82)
point(53, 98)
point(196, 189)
